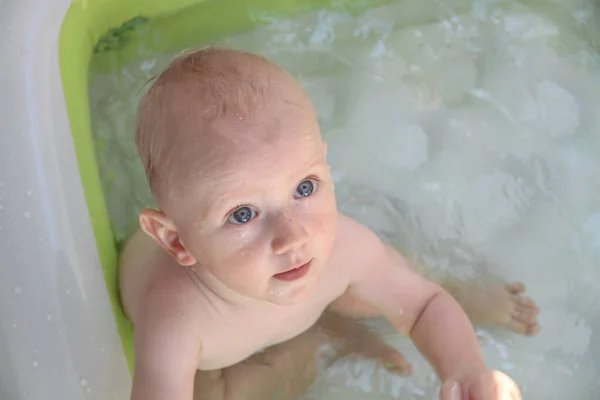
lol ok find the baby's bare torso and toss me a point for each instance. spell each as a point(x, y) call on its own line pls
point(229, 334)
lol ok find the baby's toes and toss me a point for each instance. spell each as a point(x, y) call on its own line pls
point(515, 288)
point(525, 303)
point(525, 315)
point(395, 362)
point(524, 321)
point(533, 329)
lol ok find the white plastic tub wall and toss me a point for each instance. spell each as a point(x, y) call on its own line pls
point(58, 338)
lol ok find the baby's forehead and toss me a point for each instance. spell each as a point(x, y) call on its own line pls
point(237, 146)
point(223, 162)
point(216, 109)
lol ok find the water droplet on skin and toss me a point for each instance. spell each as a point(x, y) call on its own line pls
point(26, 215)
point(18, 289)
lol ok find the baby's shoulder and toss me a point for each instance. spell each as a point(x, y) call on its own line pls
point(152, 283)
point(353, 237)
point(354, 245)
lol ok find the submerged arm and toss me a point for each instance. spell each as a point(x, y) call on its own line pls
point(415, 306)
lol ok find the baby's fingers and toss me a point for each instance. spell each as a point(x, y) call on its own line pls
point(471, 388)
point(490, 385)
point(506, 389)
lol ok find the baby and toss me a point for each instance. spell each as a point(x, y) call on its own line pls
point(248, 267)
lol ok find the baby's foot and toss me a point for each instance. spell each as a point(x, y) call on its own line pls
point(391, 358)
point(501, 305)
point(395, 362)
point(353, 338)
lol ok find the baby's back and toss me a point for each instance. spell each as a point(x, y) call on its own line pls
point(228, 333)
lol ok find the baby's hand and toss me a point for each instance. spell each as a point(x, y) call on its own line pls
point(480, 385)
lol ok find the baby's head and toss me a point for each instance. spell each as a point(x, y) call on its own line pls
point(234, 157)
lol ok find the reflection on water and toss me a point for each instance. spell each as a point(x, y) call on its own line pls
point(466, 133)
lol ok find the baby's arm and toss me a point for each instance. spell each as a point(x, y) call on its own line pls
point(166, 351)
point(415, 306)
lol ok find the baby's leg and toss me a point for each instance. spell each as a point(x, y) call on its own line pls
point(354, 337)
point(488, 301)
point(281, 372)
point(499, 304)
point(285, 371)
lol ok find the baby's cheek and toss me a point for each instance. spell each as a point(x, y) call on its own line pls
point(243, 257)
point(323, 227)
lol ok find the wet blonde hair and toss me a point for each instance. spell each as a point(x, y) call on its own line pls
point(196, 88)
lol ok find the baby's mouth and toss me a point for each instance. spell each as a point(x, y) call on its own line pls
point(295, 273)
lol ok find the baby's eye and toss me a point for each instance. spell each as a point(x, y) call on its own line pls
point(242, 215)
point(306, 188)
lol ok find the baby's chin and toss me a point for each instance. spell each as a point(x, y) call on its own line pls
point(290, 293)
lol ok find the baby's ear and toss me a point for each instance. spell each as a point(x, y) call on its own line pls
point(163, 230)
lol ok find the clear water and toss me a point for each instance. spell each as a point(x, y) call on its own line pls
point(465, 132)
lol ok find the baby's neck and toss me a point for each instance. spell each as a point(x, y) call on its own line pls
point(219, 292)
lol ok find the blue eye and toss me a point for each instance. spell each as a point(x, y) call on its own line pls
point(242, 215)
point(306, 188)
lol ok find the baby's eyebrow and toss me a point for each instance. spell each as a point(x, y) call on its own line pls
point(309, 167)
point(221, 203)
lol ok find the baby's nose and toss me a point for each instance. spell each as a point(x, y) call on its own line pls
point(289, 235)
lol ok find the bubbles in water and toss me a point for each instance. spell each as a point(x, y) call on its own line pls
point(27, 214)
point(83, 382)
point(29, 193)
point(148, 66)
point(49, 317)
point(35, 364)
point(18, 289)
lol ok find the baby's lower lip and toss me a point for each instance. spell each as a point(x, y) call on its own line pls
point(294, 274)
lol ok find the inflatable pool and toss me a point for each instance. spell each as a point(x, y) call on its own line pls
point(509, 86)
